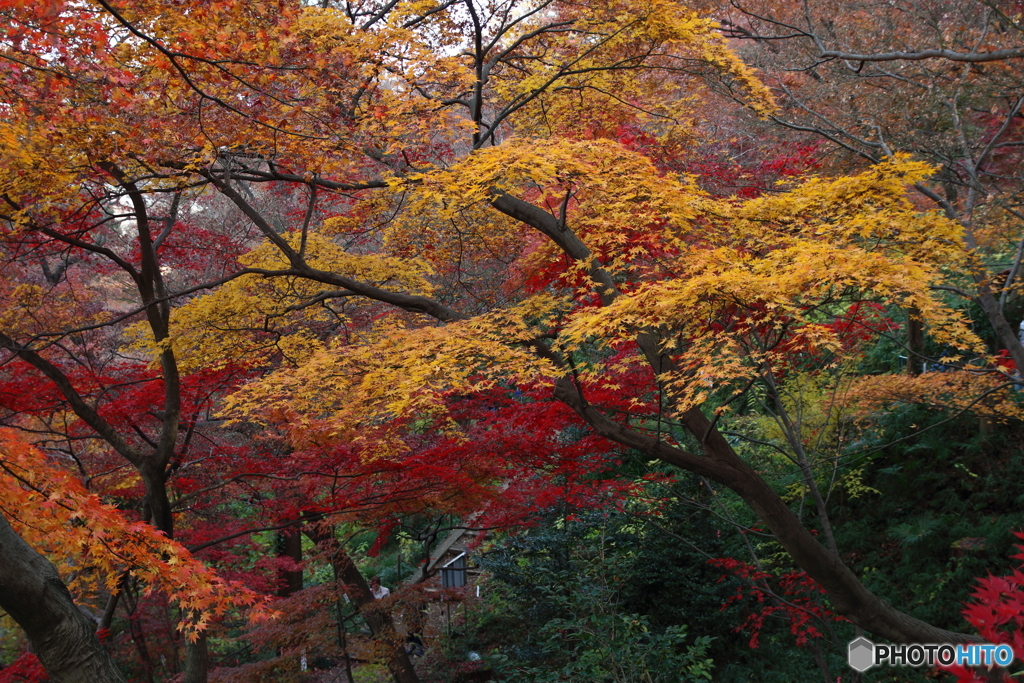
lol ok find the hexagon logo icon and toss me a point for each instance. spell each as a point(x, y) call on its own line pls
point(861, 654)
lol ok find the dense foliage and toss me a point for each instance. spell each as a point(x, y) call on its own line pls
point(696, 329)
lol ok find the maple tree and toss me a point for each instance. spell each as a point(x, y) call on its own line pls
point(257, 249)
point(995, 611)
point(849, 77)
point(96, 546)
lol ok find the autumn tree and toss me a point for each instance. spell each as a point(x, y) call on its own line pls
point(61, 634)
point(96, 546)
point(430, 203)
point(940, 81)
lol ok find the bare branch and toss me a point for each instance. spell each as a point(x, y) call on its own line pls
point(950, 55)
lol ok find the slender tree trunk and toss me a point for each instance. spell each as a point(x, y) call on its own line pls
point(111, 606)
point(289, 544)
point(1004, 333)
point(152, 466)
point(343, 638)
point(379, 620)
point(62, 637)
point(197, 660)
point(139, 639)
point(197, 654)
point(720, 463)
point(820, 661)
point(792, 433)
point(915, 342)
point(158, 504)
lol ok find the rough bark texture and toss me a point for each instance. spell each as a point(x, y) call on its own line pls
point(62, 637)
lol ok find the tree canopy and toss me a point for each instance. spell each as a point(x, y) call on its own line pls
point(358, 268)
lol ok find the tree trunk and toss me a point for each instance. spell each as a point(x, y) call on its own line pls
point(915, 343)
point(289, 544)
point(33, 594)
point(197, 660)
point(197, 654)
point(1004, 333)
point(158, 504)
point(379, 620)
point(720, 463)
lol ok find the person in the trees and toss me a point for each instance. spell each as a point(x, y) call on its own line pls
point(379, 592)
